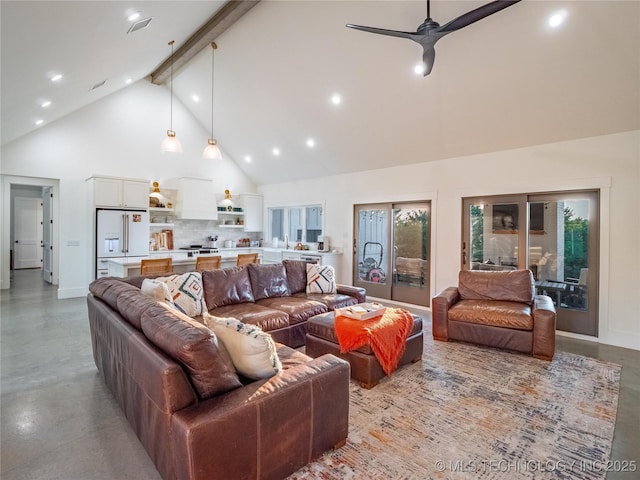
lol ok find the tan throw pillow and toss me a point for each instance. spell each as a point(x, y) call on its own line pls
point(186, 292)
point(157, 290)
point(252, 351)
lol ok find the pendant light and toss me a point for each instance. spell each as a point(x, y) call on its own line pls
point(211, 151)
point(171, 144)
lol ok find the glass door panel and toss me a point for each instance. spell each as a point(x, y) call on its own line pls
point(410, 283)
point(560, 231)
point(565, 255)
point(492, 235)
point(371, 249)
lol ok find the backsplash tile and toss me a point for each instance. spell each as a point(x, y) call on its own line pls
point(196, 232)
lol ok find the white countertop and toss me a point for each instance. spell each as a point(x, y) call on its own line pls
point(304, 252)
point(177, 258)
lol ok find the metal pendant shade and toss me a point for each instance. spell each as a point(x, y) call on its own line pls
point(171, 144)
point(211, 151)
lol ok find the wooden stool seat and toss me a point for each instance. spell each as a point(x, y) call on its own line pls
point(154, 266)
point(247, 258)
point(208, 263)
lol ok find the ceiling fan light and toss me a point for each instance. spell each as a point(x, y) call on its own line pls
point(419, 68)
point(171, 144)
point(211, 151)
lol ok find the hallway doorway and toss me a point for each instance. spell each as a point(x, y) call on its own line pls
point(14, 187)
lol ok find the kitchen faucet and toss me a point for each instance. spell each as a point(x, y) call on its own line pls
point(286, 241)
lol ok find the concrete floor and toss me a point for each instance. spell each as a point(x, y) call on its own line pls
point(58, 420)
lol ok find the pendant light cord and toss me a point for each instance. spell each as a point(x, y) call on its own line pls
point(171, 89)
point(213, 48)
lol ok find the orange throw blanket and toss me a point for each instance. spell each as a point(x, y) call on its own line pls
point(386, 334)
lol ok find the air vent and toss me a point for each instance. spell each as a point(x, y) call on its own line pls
point(98, 85)
point(140, 25)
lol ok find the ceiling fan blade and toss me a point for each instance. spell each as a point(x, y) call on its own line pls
point(475, 15)
point(383, 31)
point(428, 59)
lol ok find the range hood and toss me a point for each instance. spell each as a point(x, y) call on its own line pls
point(196, 199)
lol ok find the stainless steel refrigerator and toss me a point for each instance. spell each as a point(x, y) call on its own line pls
point(120, 234)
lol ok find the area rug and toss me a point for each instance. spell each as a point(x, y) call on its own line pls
point(472, 412)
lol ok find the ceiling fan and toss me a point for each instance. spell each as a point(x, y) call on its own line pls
point(429, 32)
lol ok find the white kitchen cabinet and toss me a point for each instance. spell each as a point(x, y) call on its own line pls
point(119, 192)
point(271, 255)
point(196, 199)
point(253, 214)
point(291, 255)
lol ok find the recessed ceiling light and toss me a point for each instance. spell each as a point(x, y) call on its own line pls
point(98, 85)
point(276, 151)
point(195, 98)
point(419, 68)
point(128, 81)
point(336, 99)
point(57, 77)
point(139, 25)
point(134, 16)
point(39, 122)
point(311, 142)
point(247, 158)
point(45, 104)
point(557, 18)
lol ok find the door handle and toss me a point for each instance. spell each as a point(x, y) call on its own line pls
point(126, 233)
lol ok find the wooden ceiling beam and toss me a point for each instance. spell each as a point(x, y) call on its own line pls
point(218, 23)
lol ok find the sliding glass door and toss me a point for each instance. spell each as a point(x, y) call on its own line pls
point(558, 234)
point(391, 251)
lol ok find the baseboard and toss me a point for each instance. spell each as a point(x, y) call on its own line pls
point(623, 339)
point(72, 292)
point(579, 336)
point(417, 309)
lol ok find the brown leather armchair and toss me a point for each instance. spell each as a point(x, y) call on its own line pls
point(498, 309)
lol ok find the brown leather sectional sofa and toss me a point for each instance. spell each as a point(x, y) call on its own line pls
point(498, 309)
point(194, 417)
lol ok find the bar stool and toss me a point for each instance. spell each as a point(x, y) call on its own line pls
point(247, 258)
point(153, 266)
point(208, 263)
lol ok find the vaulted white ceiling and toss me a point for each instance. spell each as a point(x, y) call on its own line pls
point(504, 82)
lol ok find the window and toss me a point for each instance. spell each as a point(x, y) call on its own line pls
point(300, 223)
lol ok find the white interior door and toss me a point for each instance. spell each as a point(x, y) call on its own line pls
point(27, 232)
point(47, 235)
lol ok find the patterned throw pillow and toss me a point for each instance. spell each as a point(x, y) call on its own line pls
point(320, 278)
point(252, 351)
point(186, 292)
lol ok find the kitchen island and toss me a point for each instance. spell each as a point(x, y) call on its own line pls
point(181, 260)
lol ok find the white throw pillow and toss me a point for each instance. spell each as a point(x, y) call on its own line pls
point(186, 292)
point(252, 351)
point(320, 278)
point(157, 290)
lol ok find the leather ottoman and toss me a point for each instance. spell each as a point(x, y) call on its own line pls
point(365, 368)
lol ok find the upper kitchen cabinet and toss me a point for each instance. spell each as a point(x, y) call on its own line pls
point(253, 213)
point(119, 192)
point(196, 199)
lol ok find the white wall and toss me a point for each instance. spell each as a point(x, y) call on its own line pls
point(119, 135)
point(610, 163)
